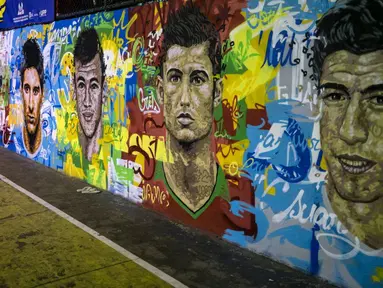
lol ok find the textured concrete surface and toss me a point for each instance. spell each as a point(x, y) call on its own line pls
point(40, 248)
point(194, 258)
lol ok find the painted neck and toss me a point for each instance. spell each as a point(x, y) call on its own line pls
point(192, 173)
point(32, 142)
point(90, 146)
point(361, 219)
point(190, 152)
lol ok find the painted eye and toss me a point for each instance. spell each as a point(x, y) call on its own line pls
point(197, 80)
point(81, 85)
point(175, 79)
point(94, 86)
point(334, 98)
point(377, 100)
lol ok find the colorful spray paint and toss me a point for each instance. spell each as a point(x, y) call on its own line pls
point(257, 121)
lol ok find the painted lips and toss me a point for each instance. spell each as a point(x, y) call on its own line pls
point(185, 119)
point(88, 116)
point(354, 164)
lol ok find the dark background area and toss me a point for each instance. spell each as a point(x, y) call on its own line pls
point(71, 8)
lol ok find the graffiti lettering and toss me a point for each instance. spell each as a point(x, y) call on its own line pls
point(148, 103)
point(155, 195)
point(65, 35)
point(147, 147)
point(229, 148)
point(126, 27)
point(154, 36)
point(232, 168)
point(275, 54)
point(318, 215)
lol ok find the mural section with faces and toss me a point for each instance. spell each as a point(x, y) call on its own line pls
point(246, 119)
point(28, 126)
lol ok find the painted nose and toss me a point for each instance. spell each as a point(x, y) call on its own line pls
point(354, 129)
point(185, 97)
point(30, 104)
point(87, 100)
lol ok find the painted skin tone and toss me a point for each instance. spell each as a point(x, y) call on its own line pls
point(32, 93)
point(189, 95)
point(352, 141)
point(89, 98)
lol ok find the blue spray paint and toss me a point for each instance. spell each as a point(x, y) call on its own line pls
point(314, 252)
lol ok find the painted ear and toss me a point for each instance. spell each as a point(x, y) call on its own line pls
point(160, 90)
point(218, 89)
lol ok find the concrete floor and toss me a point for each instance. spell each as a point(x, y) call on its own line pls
point(40, 248)
point(192, 257)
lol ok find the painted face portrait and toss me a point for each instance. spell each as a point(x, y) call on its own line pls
point(351, 136)
point(89, 94)
point(352, 124)
point(188, 92)
point(32, 99)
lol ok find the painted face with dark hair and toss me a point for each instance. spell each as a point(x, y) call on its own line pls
point(188, 93)
point(352, 137)
point(32, 99)
point(89, 94)
point(352, 123)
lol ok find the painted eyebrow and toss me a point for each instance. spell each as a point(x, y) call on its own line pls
point(81, 79)
point(94, 79)
point(335, 86)
point(372, 88)
point(196, 72)
point(174, 70)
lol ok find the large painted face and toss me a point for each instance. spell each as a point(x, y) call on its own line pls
point(188, 92)
point(89, 94)
point(32, 98)
point(352, 124)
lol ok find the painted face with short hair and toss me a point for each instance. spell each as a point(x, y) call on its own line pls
point(352, 124)
point(89, 94)
point(32, 99)
point(188, 93)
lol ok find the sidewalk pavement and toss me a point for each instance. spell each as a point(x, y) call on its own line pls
point(40, 248)
point(190, 256)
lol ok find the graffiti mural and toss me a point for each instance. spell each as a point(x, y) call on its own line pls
point(351, 117)
point(32, 93)
point(257, 121)
point(88, 87)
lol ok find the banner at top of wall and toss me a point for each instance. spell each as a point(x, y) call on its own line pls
point(16, 13)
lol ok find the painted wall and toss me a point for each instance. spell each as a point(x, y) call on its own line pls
point(246, 119)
